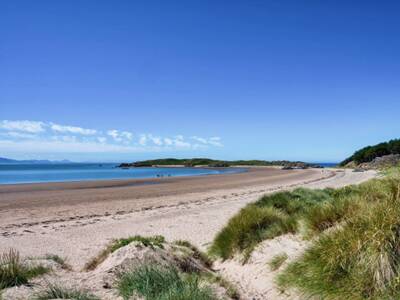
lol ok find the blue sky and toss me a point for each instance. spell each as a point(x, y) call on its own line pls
point(127, 80)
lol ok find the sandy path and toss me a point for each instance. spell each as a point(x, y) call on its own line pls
point(196, 217)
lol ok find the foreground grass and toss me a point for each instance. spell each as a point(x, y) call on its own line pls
point(60, 260)
point(153, 242)
point(196, 253)
point(269, 217)
point(276, 262)
point(155, 282)
point(354, 233)
point(13, 272)
point(361, 258)
point(59, 292)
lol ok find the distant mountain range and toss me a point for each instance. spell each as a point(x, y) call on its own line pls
point(4, 160)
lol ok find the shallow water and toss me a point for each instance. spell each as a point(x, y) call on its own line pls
point(34, 173)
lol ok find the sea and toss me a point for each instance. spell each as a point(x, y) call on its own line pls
point(61, 172)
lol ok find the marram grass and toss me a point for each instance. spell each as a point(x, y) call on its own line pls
point(276, 262)
point(354, 233)
point(269, 217)
point(360, 259)
point(14, 272)
point(156, 282)
point(54, 291)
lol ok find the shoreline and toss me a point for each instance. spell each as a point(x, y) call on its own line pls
point(77, 223)
point(221, 170)
point(112, 182)
point(73, 231)
point(24, 205)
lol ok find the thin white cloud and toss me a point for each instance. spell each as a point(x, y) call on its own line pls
point(47, 137)
point(156, 140)
point(23, 125)
point(181, 144)
point(120, 136)
point(101, 139)
point(114, 134)
point(143, 140)
point(200, 139)
point(213, 141)
point(19, 135)
point(168, 141)
point(65, 138)
point(60, 146)
point(128, 135)
point(72, 129)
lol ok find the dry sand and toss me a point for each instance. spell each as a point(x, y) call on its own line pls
point(76, 220)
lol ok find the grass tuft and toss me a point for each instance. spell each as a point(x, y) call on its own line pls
point(60, 260)
point(58, 292)
point(13, 272)
point(230, 289)
point(156, 241)
point(197, 254)
point(155, 282)
point(276, 262)
point(269, 217)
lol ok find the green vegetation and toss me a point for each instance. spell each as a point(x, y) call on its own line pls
point(360, 259)
point(196, 253)
point(271, 216)
point(153, 241)
point(192, 162)
point(156, 282)
point(60, 260)
point(354, 233)
point(276, 262)
point(58, 292)
point(13, 272)
point(368, 153)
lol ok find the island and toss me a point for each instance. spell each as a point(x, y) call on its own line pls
point(212, 163)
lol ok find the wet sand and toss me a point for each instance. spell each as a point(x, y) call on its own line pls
point(47, 201)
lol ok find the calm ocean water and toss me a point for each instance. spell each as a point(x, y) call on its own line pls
point(32, 173)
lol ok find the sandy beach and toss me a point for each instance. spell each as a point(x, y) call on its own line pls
point(77, 219)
